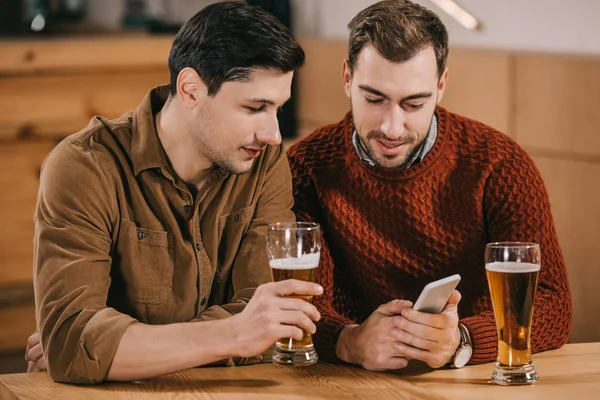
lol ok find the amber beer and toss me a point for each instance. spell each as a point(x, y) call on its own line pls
point(304, 269)
point(512, 287)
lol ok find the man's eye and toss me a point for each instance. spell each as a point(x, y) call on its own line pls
point(254, 110)
point(415, 106)
point(373, 101)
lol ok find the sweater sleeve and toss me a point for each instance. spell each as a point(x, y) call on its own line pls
point(306, 208)
point(517, 208)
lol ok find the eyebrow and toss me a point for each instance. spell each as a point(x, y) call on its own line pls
point(376, 92)
point(265, 101)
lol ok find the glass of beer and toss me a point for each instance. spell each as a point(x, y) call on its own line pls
point(294, 249)
point(512, 270)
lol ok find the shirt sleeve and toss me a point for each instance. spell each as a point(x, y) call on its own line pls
point(73, 221)
point(251, 265)
point(517, 208)
point(306, 208)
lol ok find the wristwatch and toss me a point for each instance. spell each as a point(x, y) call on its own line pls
point(463, 353)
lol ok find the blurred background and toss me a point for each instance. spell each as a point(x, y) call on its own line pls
point(528, 68)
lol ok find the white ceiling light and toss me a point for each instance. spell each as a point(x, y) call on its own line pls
point(461, 15)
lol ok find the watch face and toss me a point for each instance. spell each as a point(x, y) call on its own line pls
point(463, 356)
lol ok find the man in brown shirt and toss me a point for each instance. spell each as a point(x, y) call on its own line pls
point(150, 229)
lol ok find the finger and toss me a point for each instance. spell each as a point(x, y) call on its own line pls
point(299, 304)
point(422, 331)
point(385, 361)
point(34, 353)
point(41, 363)
point(32, 367)
point(33, 340)
point(289, 331)
point(294, 286)
point(393, 307)
point(414, 341)
point(433, 359)
point(297, 318)
point(397, 363)
point(439, 321)
point(396, 306)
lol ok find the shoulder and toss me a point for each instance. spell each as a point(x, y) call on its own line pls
point(323, 146)
point(88, 153)
point(479, 145)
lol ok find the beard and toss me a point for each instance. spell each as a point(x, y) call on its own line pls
point(412, 140)
point(385, 161)
point(228, 160)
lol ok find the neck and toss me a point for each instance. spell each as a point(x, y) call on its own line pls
point(179, 145)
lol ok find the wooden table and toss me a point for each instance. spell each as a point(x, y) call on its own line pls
point(572, 372)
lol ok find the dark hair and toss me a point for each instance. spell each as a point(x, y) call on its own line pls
point(225, 41)
point(399, 30)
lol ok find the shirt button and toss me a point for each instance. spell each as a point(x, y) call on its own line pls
point(142, 234)
point(236, 218)
point(198, 247)
point(187, 208)
point(203, 302)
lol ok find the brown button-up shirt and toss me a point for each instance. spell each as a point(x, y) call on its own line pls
point(119, 238)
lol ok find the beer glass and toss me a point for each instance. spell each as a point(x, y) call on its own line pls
point(294, 249)
point(512, 270)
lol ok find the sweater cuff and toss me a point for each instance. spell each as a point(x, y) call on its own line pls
point(484, 337)
point(324, 339)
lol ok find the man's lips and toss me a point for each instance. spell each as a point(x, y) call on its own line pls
point(253, 152)
point(390, 148)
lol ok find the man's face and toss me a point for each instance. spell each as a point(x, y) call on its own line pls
point(232, 128)
point(393, 103)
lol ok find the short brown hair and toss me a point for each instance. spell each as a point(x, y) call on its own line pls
point(399, 30)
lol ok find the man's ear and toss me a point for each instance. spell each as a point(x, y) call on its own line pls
point(191, 90)
point(442, 83)
point(347, 77)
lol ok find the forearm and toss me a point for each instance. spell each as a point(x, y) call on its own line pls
point(146, 351)
point(551, 324)
point(484, 336)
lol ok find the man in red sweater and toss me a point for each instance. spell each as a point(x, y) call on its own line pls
point(407, 193)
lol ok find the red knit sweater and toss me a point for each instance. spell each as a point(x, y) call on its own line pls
point(387, 232)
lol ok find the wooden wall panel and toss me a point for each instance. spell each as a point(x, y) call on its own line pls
point(320, 91)
point(556, 103)
point(479, 87)
point(575, 198)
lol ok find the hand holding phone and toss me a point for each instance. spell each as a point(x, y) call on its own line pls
point(436, 294)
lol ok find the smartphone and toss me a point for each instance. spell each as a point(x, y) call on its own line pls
point(435, 295)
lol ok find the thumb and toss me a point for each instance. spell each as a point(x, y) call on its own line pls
point(452, 304)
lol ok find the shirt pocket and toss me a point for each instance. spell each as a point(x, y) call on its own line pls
point(147, 263)
point(232, 228)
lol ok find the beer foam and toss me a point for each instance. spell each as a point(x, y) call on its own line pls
point(306, 261)
point(512, 267)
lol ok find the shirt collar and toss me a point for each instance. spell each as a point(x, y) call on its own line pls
point(146, 148)
point(418, 156)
